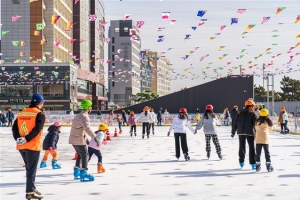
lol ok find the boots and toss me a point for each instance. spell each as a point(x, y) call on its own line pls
point(55, 165)
point(269, 167)
point(75, 157)
point(220, 156)
point(120, 132)
point(100, 168)
point(258, 166)
point(253, 166)
point(34, 195)
point(76, 173)
point(84, 176)
point(187, 157)
point(43, 164)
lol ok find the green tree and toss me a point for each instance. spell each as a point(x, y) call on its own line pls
point(290, 89)
point(145, 96)
point(261, 91)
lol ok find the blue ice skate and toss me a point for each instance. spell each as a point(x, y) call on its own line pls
point(242, 165)
point(84, 176)
point(43, 164)
point(55, 165)
point(76, 173)
point(253, 166)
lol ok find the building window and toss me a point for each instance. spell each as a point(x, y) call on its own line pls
point(113, 39)
point(113, 74)
point(16, 1)
point(117, 30)
point(113, 48)
point(119, 97)
point(113, 83)
point(113, 57)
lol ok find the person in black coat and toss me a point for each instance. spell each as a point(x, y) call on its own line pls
point(159, 118)
point(124, 117)
point(245, 127)
point(50, 145)
point(234, 113)
point(2, 119)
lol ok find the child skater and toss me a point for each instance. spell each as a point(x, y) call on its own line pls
point(263, 125)
point(145, 118)
point(95, 149)
point(180, 124)
point(209, 123)
point(153, 120)
point(50, 145)
point(120, 122)
point(132, 120)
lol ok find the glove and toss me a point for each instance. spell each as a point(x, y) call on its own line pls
point(97, 141)
point(168, 134)
point(21, 141)
point(50, 149)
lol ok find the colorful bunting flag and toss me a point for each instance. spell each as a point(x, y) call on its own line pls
point(249, 27)
point(165, 15)
point(15, 18)
point(139, 24)
point(234, 20)
point(279, 9)
point(23, 42)
point(92, 17)
point(241, 11)
point(37, 33)
point(201, 13)
point(265, 20)
point(297, 19)
point(39, 26)
point(4, 33)
point(54, 19)
point(127, 16)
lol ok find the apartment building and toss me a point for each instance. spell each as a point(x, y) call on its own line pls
point(125, 65)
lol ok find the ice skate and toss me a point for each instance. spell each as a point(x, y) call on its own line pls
point(241, 165)
point(220, 156)
point(187, 157)
point(253, 166)
point(269, 167)
point(84, 176)
point(258, 166)
point(43, 164)
point(100, 168)
point(143, 136)
point(148, 136)
point(130, 134)
point(135, 134)
point(35, 195)
point(208, 155)
point(76, 173)
point(55, 165)
point(153, 133)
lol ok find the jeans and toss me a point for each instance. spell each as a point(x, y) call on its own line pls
point(242, 148)
point(120, 125)
point(183, 141)
point(82, 158)
point(31, 159)
point(266, 150)
point(97, 152)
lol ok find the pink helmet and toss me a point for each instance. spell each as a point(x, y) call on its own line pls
point(57, 124)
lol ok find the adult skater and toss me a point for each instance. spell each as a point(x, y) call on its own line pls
point(81, 127)
point(145, 118)
point(153, 120)
point(180, 124)
point(27, 132)
point(245, 127)
point(10, 116)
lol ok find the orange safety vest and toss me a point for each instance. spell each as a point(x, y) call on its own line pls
point(26, 122)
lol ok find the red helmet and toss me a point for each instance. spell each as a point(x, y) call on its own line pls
point(209, 107)
point(182, 110)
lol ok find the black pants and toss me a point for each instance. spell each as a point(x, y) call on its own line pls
point(31, 160)
point(184, 146)
point(215, 141)
point(158, 121)
point(266, 150)
point(133, 127)
point(125, 122)
point(82, 158)
point(97, 152)
point(9, 123)
point(242, 148)
point(151, 125)
point(146, 128)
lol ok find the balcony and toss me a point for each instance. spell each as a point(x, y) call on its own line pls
point(84, 91)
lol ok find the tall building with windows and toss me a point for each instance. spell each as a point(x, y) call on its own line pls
point(146, 72)
point(125, 65)
point(51, 47)
point(161, 83)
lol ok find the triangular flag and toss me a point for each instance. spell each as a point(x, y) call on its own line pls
point(15, 43)
point(54, 19)
point(4, 33)
point(201, 13)
point(279, 9)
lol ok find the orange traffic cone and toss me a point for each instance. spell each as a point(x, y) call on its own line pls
point(75, 157)
point(116, 133)
point(107, 135)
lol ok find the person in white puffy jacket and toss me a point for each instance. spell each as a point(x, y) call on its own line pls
point(209, 123)
point(180, 124)
point(145, 118)
point(153, 120)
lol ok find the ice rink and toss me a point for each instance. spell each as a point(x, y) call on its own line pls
point(148, 169)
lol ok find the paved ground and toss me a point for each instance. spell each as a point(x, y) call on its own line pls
point(146, 169)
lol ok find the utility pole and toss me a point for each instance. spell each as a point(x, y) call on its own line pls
point(264, 74)
point(268, 93)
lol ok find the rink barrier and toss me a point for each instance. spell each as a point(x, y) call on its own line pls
point(95, 120)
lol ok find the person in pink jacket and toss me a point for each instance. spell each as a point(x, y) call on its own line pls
point(132, 120)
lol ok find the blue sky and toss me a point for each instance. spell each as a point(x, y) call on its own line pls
point(219, 13)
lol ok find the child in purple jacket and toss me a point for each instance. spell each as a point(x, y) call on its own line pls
point(95, 149)
point(132, 120)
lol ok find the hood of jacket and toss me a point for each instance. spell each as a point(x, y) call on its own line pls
point(52, 128)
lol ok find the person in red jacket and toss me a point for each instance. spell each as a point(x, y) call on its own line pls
point(132, 120)
point(27, 132)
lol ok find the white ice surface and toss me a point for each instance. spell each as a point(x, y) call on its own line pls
point(147, 169)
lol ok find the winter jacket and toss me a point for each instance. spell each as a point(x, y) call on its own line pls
point(51, 138)
point(153, 117)
point(100, 137)
point(119, 120)
point(245, 124)
point(234, 114)
point(197, 117)
point(209, 125)
point(166, 114)
point(180, 125)
point(159, 116)
point(280, 119)
point(262, 133)
point(145, 118)
point(10, 116)
point(285, 116)
point(80, 127)
point(124, 116)
point(2, 118)
point(132, 120)
point(226, 114)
